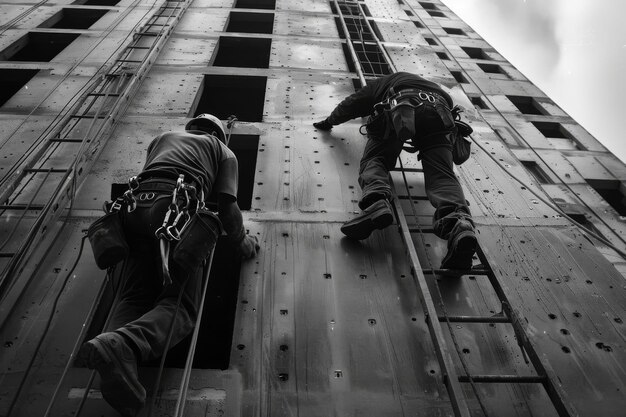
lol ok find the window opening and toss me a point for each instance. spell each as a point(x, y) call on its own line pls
point(408, 12)
point(552, 130)
point(428, 6)
point(366, 10)
point(372, 60)
point(256, 4)
point(492, 69)
point(479, 103)
point(418, 25)
point(12, 81)
point(455, 31)
point(430, 41)
point(475, 53)
point(443, 55)
point(348, 56)
point(459, 77)
point(37, 47)
point(356, 83)
point(97, 2)
point(611, 192)
point(246, 149)
point(74, 19)
point(526, 105)
point(223, 95)
point(435, 13)
point(536, 172)
point(357, 28)
point(244, 22)
point(243, 52)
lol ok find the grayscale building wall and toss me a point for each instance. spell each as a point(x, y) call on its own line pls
point(316, 324)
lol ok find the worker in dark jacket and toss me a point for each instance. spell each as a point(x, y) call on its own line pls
point(149, 307)
point(405, 108)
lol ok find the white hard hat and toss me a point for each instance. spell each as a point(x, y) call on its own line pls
point(207, 123)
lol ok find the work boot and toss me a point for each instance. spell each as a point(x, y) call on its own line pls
point(376, 216)
point(116, 363)
point(462, 245)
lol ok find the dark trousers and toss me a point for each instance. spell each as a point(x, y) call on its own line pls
point(147, 308)
point(442, 186)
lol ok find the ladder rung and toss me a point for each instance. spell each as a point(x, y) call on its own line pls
point(134, 61)
point(456, 272)
point(138, 47)
point(86, 116)
point(413, 197)
point(6, 254)
point(68, 140)
point(421, 230)
point(21, 207)
point(515, 379)
point(475, 319)
point(53, 170)
point(148, 34)
point(407, 169)
point(104, 94)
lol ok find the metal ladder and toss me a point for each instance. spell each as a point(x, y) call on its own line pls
point(371, 59)
point(81, 133)
point(77, 135)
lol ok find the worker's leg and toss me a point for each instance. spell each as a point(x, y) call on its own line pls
point(149, 332)
point(378, 158)
point(443, 190)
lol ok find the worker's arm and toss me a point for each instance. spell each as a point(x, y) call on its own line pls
point(232, 221)
point(358, 104)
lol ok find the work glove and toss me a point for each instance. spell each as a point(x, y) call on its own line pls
point(323, 125)
point(248, 247)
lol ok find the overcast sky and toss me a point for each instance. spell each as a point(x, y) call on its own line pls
point(574, 50)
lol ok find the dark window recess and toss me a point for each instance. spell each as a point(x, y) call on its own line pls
point(552, 130)
point(431, 41)
point(537, 173)
point(400, 2)
point(492, 69)
point(250, 22)
point(428, 6)
point(418, 25)
point(443, 55)
point(340, 31)
point(527, 105)
point(243, 52)
point(611, 192)
point(379, 35)
point(349, 60)
point(256, 4)
point(246, 148)
point(435, 13)
point(372, 60)
point(455, 31)
point(479, 103)
point(97, 2)
point(223, 95)
point(12, 81)
point(215, 337)
point(459, 77)
point(356, 83)
point(475, 53)
point(366, 10)
point(408, 12)
point(74, 19)
point(37, 47)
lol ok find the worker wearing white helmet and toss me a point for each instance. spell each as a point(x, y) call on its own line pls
point(155, 271)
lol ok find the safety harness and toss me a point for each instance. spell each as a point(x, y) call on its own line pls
point(381, 119)
point(184, 202)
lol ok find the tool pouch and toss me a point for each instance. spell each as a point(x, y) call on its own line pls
point(197, 240)
point(107, 240)
point(462, 146)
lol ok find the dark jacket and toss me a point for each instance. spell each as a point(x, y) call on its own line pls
point(361, 103)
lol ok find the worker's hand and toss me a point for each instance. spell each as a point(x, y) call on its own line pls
point(249, 247)
point(323, 125)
